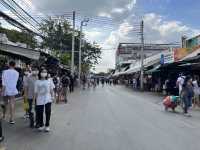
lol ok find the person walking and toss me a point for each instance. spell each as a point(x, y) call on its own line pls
point(50, 79)
point(43, 93)
point(71, 85)
point(25, 79)
point(65, 80)
point(1, 117)
point(84, 80)
point(9, 83)
point(196, 91)
point(102, 82)
point(179, 82)
point(186, 94)
point(29, 93)
point(134, 83)
point(56, 81)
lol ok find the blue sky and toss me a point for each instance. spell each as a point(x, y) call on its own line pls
point(186, 11)
point(114, 21)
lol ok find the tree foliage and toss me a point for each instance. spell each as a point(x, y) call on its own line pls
point(65, 59)
point(59, 38)
point(22, 37)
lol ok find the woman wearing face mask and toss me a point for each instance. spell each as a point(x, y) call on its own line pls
point(43, 96)
point(29, 93)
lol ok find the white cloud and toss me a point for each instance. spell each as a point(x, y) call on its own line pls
point(131, 5)
point(93, 34)
point(28, 4)
point(158, 29)
point(104, 14)
point(111, 43)
point(118, 10)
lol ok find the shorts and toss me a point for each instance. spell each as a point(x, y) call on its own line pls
point(4, 100)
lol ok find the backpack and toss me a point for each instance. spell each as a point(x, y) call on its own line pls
point(65, 81)
point(55, 81)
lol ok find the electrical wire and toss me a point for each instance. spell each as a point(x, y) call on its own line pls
point(23, 19)
point(25, 12)
point(19, 15)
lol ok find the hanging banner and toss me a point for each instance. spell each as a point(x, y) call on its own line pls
point(167, 57)
point(180, 53)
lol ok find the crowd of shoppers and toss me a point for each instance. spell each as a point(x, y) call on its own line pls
point(186, 87)
point(38, 88)
point(96, 81)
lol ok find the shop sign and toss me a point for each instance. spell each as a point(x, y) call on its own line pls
point(167, 57)
point(180, 53)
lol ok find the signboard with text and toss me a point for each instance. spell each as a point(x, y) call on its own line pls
point(167, 57)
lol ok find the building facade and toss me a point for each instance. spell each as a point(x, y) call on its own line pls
point(128, 53)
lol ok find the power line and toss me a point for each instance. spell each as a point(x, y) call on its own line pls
point(25, 12)
point(23, 19)
point(16, 23)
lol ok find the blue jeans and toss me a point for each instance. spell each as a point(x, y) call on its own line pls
point(187, 103)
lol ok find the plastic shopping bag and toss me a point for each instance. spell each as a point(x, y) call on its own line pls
point(25, 105)
point(167, 101)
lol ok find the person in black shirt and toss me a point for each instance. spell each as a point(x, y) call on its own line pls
point(65, 81)
point(71, 85)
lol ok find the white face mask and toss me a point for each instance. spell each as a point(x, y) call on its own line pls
point(43, 75)
point(35, 72)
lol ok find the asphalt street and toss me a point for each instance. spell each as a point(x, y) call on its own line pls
point(109, 118)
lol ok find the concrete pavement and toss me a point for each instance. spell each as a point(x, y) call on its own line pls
point(109, 118)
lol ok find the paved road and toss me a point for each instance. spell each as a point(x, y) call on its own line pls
point(109, 118)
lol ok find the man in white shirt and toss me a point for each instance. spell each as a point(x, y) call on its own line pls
point(9, 82)
point(180, 82)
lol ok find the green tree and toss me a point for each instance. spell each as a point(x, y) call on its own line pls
point(58, 38)
point(20, 36)
point(65, 59)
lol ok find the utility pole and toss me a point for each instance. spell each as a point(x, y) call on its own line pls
point(80, 48)
point(73, 43)
point(80, 53)
point(142, 55)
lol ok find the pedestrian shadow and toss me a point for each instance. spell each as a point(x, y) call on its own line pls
point(171, 112)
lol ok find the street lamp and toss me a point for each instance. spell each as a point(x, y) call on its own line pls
point(83, 23)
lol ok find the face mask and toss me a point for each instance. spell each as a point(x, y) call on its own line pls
point(43, 75)
point(35, 72)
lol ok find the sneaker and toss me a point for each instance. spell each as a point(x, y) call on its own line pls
point(187, 115)
point(41, 129)
point(36, 126)
point(11, 122)
point(1, 139)
point(47, 129)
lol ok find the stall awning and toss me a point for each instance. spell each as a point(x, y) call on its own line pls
point(155, 69)
point(122, 72)
point(20, 51)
